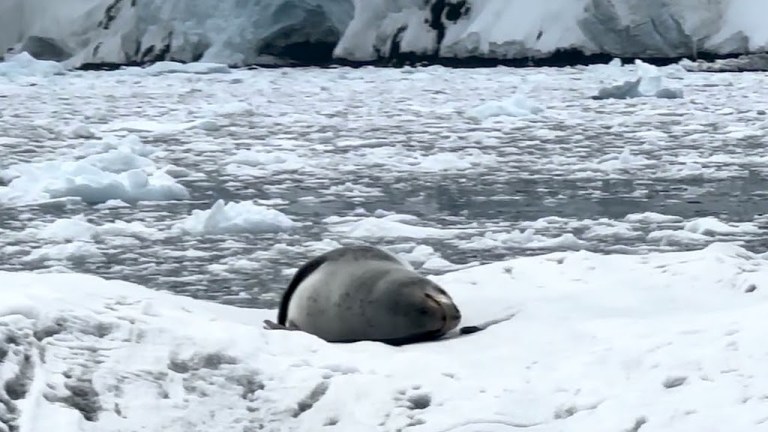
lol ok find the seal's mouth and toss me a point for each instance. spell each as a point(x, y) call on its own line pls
point(451, 317)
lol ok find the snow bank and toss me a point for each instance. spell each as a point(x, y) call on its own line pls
point(506, 29)
point(592, 347)
point(232, 218)
point(122, 31)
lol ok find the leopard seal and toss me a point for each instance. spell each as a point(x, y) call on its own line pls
point(363, 293)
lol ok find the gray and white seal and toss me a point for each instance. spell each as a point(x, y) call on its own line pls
point(356, 293)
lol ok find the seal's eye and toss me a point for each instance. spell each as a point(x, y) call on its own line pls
point(423, 310)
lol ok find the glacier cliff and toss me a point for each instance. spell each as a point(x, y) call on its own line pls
point(235, 32)
point(240, 32)
point(510, 29)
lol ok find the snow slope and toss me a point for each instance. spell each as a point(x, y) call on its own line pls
point(592, 347)
point(121, 31)
point(508, 29)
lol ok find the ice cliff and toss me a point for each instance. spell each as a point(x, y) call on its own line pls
point(235, 32)
point(241, 32)
point(508, 29)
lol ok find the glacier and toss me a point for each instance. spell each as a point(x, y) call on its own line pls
point(515, 29)
point(239, 33)
point(233, 32)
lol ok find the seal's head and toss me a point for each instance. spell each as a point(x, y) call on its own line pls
point(420, 309)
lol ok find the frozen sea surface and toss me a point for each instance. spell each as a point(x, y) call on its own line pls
point(218, 185)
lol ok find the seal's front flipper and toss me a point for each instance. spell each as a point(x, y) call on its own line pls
point(480, 327)
point(470, 329)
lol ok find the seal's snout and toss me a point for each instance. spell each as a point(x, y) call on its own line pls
point(451, 317)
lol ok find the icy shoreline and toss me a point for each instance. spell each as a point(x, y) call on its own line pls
point(681, 348)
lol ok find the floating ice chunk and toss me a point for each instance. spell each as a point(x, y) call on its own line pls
point(129, 229)
point(353, 190)
point(200, 68)
point(420, 254)
point(81, 131)
point(268, 161)
point(113, 203)
point(648, 84)
point(444, 161)
point(233, 218)
point(158, 127)
point(439, 264)
point(527, 239)
point(651, 218)
point(744, 63)
point(622, 160)
point(118, 160)
point(626, 90)
point(462, 161)
point(677, 237)
point(68, 229)
point(23, 64)
point(134, 185)
point(372, 227)
point(565, 241)
point(79, 229)
point(517, 106)
point(712, 226)
point(129, 144)
point(492, 240)
point(176, 171)
point(78, 251)
point(610, 232)
point(55, 179)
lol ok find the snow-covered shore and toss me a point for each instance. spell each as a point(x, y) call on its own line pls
point(666, 341)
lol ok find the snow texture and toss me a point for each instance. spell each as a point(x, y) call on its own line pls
point(591, 347)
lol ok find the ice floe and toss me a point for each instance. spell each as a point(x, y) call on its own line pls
point(234, 217)
point(592, 345)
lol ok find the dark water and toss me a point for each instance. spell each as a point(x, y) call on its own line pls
point(495, 203)
point(544, 167)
